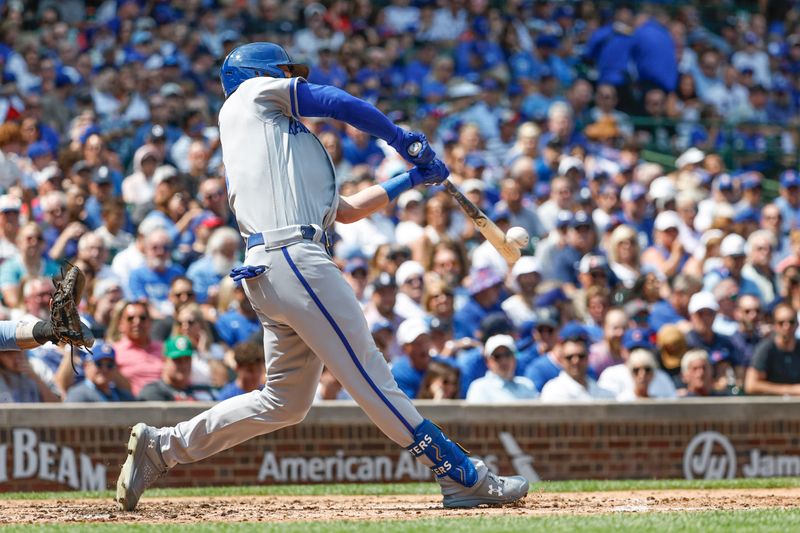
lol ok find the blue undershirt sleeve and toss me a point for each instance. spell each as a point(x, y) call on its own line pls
point(325, 101)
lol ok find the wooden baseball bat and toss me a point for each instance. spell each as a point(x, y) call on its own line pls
point(488, 229)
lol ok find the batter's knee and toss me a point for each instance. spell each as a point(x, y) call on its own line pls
point(290, 412)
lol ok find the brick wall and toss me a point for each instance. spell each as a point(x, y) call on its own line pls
point(62, 447)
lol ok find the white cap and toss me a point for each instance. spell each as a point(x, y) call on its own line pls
point(151, 224)
point(47, 173)
point(411, 195)
point(9, 203)
point(463, 89)
point(473, 185)
point(411, 329)
point(408, 270)
point(526, 264)
point(666, 220)
point(568, 163)
point(732, 245)
point(497, 341)
point(103, 286)
point(692, 156)
point(641, 358)
point(663, 188)
point(702, 300)
point(164, 172)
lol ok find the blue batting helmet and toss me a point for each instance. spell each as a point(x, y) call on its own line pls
point(254, 60)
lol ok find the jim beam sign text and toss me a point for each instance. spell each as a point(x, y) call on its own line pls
point(710, 455)
point(32, 458)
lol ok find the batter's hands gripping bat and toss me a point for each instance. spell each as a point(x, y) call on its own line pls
point(488, 229)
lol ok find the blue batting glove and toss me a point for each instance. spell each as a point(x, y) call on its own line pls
point(247, 272)
point(403, 141)
point(433, 173)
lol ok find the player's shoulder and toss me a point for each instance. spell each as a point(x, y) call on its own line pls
point(266, 84)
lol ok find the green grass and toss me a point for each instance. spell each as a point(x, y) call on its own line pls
point(421, 488)
point(762, 520)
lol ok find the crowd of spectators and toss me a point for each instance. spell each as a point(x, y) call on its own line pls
point(649, 151)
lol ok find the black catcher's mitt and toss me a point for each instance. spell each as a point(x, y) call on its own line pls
point(64, 316)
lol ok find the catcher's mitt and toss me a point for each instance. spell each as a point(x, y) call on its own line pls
point(67, 326)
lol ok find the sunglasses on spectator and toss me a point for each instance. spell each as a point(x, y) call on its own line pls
point(359, 273)
point(545, 330)
point(184, 294)
point(399, 256)
point(188, 322)
point(106, 364)
point(131, 318)
point(640, 369)
point(786, 322)
point(580, 356)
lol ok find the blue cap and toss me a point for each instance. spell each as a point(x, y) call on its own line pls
point(751, 181)
point(581, 218)
point(541, 190)
point(790, 178)
point(354, 264)
point(482, 279)
point(142, 37)
point(474, 160)
point(703, 176)
point(718, 356)
point(637, 338)
point(725, 182)
point(551, 297)
point(573, 331)
point(564, 11)
point(62, 80)
point(545, 316)
point(748, 214)
point(609, 188)
point(545, 72)
point(384, 280)
point(101, 175)
point(780, 85)
point(38, 149)
point(380, 325)
point(101, 350)
point(500, 214)
point(490, 84)
point(546, 41)
point(563, 218)
point(632, 192)
point(91, 130)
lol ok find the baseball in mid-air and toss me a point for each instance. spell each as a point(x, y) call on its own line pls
point(518, 236)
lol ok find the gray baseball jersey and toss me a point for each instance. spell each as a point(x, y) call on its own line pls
point(278, 175)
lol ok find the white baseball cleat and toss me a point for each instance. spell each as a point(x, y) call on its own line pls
point(490, 490)
point(142, 467)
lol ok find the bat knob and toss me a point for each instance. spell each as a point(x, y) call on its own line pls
point(415, 149)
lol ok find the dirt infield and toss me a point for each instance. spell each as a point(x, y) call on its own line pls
point(404, 507)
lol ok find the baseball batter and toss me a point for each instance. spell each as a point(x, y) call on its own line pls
point(282, 189)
